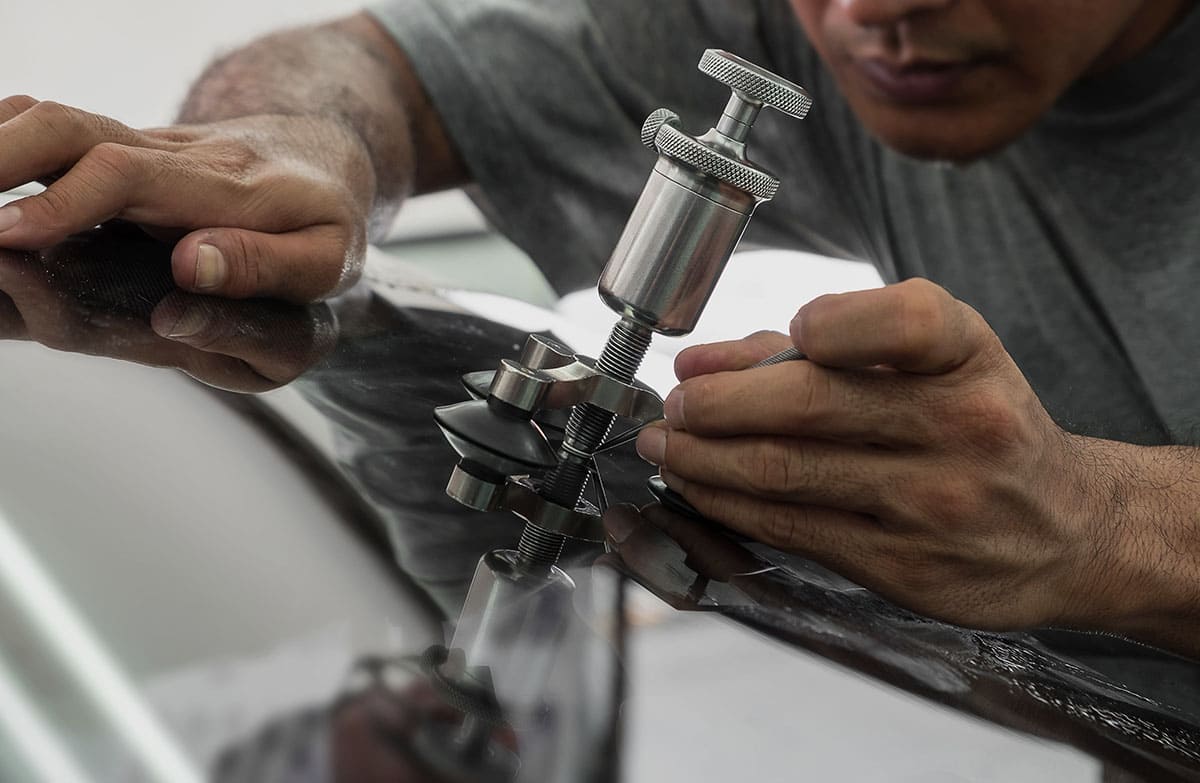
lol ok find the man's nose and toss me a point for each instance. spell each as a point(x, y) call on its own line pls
point(870, 13)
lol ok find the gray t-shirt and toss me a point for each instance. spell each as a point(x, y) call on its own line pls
point(1078, 242)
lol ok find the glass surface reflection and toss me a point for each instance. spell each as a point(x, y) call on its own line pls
point(540, 698)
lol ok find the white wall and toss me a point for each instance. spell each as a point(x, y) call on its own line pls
point(132, 59)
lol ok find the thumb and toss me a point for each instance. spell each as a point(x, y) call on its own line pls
point(297, 266)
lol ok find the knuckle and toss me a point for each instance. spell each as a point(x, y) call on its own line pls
point(55, 120)
point(52, 112)
point(56, 205)
point(18, 104)
point(237, 162)
point(991, 424)
point(112, 160)
point(244, 257)
point(270, 193)
point(697, 396)
point(921, 318)
point(950, 501)
point(816, 390)
point(772, 468)
point(781, 527)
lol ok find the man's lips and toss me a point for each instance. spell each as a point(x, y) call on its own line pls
point(918, 81)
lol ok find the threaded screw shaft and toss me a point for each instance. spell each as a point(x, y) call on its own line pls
point(587, 428)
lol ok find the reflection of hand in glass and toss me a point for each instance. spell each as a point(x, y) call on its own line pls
point(636, 535)
point(244, 345)
point(109, 293)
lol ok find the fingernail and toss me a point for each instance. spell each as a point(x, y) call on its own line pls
point(652, 445)
point(673, 409)
point(210, 267)
point(193, 321)
point(795, 327)
point(672, 481)
point(9, 217)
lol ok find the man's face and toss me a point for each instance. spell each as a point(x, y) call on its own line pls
point(956, 79)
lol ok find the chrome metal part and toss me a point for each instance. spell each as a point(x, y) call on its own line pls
point(753, 84)
point(792, 354)
point(510, 627)
point(519, 386)
point(697, 202)
point(709, 159)
point(657, 119)
point(582, 521)
point(573, 384)
point(473, 491)
point(539, 548)
point(590, 424)
point(691, 215)
point(519, 495)
point(674, 248)
point(544, 353)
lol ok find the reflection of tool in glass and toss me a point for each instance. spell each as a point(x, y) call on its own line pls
point(687, 222)
point(690, 217)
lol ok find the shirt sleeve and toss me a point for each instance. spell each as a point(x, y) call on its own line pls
point(544, 100)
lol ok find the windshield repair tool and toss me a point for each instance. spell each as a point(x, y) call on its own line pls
point(690, 217)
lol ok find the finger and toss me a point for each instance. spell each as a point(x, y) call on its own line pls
point(728, 355)
point(276, 341)
point(49, 137)
point(915, 326)
point(842, 540)
point(799, 398)
point(14, 105)
point(780, 469)
point(620, 522)
point(44, 315)
point(158, 188)
point(12, 324)
point(297, 266)
point(106, 180)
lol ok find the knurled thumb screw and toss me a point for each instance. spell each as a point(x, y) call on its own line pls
point(657, 119)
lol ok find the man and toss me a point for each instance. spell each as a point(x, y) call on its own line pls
point(1037, 468)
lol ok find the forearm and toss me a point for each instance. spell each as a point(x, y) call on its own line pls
point(349, 70)
point(1146, 571)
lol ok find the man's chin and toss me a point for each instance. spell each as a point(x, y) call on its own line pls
point(958, 137)
point(955, 148)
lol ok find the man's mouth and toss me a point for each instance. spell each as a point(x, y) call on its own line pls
point(917, 81)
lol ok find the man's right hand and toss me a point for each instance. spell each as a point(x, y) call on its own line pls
point(266, 205)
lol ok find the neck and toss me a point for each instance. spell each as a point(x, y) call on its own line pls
point(1153, 20)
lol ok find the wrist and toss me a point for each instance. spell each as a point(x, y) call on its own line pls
point(1137, 571)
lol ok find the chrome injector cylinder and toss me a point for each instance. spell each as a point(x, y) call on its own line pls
point(697, 203)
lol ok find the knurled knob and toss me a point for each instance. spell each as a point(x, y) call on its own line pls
point(657, 119)
point(721, 153)
point(755, 83)
point(676, 144)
